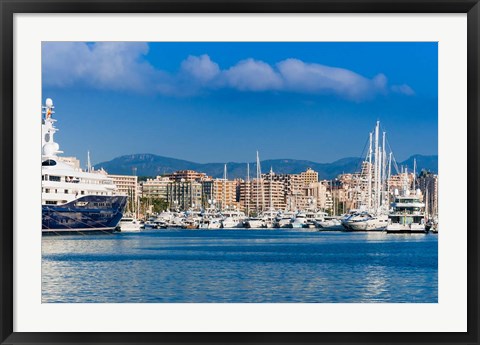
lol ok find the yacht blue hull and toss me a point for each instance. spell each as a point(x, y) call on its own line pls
point(87, 214)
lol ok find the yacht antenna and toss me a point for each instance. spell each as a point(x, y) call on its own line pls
point(89, 165)
point(414, 173)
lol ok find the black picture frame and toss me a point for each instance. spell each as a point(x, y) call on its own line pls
point(9, 7)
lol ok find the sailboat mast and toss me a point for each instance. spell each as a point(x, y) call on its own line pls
point(389, 175)
point(258, 182)
point(247, 187)
point(369, 203)
point(259, 176)
point(270, 189)
point(427, 211)
point(225, 186)
point(376, 172)
point(384, 167)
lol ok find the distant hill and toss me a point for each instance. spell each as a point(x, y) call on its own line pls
point(423, 162)
point(153, 165)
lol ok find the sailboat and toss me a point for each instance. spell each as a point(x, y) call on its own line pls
point(129, 221)
point(258, 221)
point(374, 215)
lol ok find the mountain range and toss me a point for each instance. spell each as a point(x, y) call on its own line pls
point(146, 164)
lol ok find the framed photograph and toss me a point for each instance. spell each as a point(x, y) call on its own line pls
point(239, 172)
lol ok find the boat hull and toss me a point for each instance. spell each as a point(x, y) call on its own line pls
point(407, 229)
point(365, 226)
point(87, 214)
point(254, 224)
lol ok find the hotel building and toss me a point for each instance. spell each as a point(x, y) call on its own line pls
point(156, 188)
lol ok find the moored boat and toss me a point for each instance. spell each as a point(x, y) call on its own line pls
point(408, 215)
point(74, 201)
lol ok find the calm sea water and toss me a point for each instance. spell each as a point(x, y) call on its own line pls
point(240, 266)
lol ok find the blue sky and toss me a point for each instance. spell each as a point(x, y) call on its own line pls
point(220, 102)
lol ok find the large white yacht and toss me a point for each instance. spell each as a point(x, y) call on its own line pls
point(233, 219)
point(130, 224)
point(408, 215)
point(299, 221)
point(74, 201)
point(284, 219)
point(365, 221)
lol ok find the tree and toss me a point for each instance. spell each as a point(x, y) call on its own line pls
point(154, 205)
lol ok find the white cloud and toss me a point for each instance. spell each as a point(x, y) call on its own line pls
point(122, 66)
point(316, 78)
point(104, 65)
point(200, 68)
point(403, 89)
point(252, 75)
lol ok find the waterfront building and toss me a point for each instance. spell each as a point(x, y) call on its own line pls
point(401, 181)
point(427, 182)
point(318, 191)
point(184, 195)
point(354, 191)
point(156, 188)
point(244, 196)
point(261, 194)
point(292, 183)
point(274, 195)
point(188, 176)
point(267, 194)
point(300, 202)
point(128, 185)
point(309, 176)
point(225, 193)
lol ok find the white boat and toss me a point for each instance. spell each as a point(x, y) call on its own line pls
point(260, 220)
point(74, 201)
point(255, 223)
point(210, 223)
point(192, 220)
point(130, 224)
point(299, 221)
point(408, 215)
point(313, 217)
point(268, 218)
point(233, 219)
point(284, 219)
point(211, 219)
point(365, 221)
point(191, 223)
point(330, 224)
point(373, 214)
point(150, 224)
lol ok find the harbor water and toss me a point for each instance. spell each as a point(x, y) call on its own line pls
point(240, 266)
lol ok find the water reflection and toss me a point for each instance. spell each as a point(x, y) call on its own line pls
point(240, 266)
